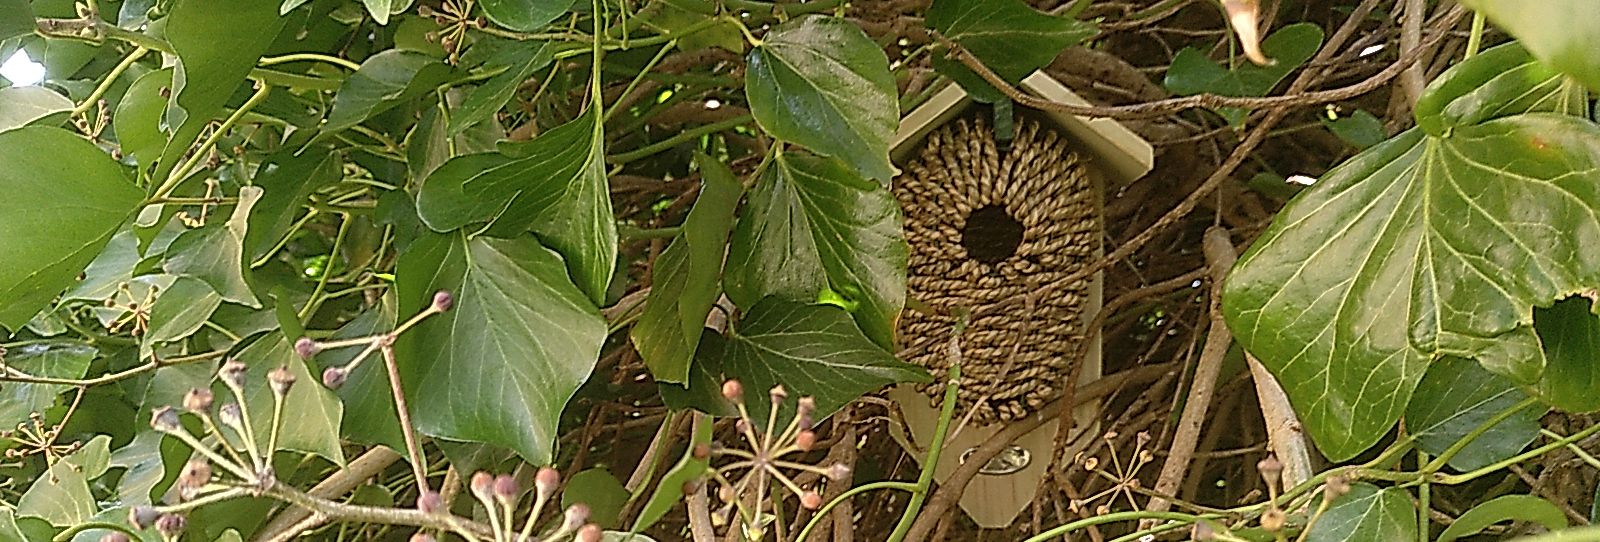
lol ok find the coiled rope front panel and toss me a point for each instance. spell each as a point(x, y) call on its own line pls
point(952, 193)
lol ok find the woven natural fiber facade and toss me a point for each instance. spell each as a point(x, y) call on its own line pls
point(952, 191)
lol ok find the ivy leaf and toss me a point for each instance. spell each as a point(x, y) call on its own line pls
point(179, 311)
point(381, 9)
point(64, 200)
point(1193, 73)
point(286, 179)
point(811, 227)
point(1360, 129)
point(384, 81)
point(61, 496)
point(1501, 81)
point(1570, 334)
point(520, 61)
point(138, 117)
point(502, 364)
point(680, 17)
point(1559, 32)
point(820, 82)
point(369, 412)
point(669, 492)
point(53, 359)
point(555, 184)
point(1009, 36)
point(1417, 248)
point(598, 489)
point(21, 106)
point(16, 19)
point(312, 414)
point(1527, 508)
point(812, 350)
point(147, 460)
point(215, 253)
point(524, 15)
point(1454, 398)
point(1367, 513)
point(214, 56)
point(685, 278)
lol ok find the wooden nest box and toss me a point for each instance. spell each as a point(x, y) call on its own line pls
point(996, 220)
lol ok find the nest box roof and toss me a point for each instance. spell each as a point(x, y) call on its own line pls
point(1122, 154)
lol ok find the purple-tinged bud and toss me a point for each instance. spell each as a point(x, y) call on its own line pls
point(334, 377)
point(165, 420)
point(778, 394)
point(142, 517)
point(231, 415)
point(423, 537)
point(281, 380)
point(443, 301)
point(811, 500)
point(196, 473)
point(232, 373)
point(589, 533)
point(700, 451)
point(838, 471)
point(170, 525)
point(808, 406)
point(1273, 520)
point(506, 490)
point(1271, 470)
point(546, 481)
point(575, 516)
point(429, 502)
point(726, 493)
point(306, 348)
point(198, 400)
point(805, 440)
point(115, 536)
point(1202, 532)
point(691, 486)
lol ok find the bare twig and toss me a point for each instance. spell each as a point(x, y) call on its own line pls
point(359, 470)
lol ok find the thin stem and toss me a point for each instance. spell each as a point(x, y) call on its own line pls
point(327, 271)
point(178, 175)
point(1536, 452)
point(1461, 443)
point(947, 411)
point(413, 450)
point(678, 139)
point(105, 84)
point(1475, 39)
point(660, 54)
point(1424, 503)
point(863, 488)
point(309, 57)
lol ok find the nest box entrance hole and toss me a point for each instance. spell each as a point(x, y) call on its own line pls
point(991, 234)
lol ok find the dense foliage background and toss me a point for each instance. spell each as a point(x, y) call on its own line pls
point(392, 268)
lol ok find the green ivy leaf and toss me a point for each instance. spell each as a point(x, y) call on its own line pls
point(21, 106)
point(1502, 81)
point(687, 471)
point(384, 81)
point(16, 19)
point(600, 491)
point(1192, 72)
point(1570, 334)
point(555, 184)
point(54, 359)
point(813, 350)
point(62, 496)
point(500, 366)
point(820, 82)
point(1562, 33)
point(1360, 129)
point(179, 311)
point(64, 200)
point(812, 225)
point(1454, 398)
point(1417, 248)
point(702, 390)
point(684, 282)
point(287, 179)
point(1527, 508)
point(147, 461)
point(381, 9)
point(214, 56)
point(138, 117)
point(312, 413)
point(1009, 36)
point(1367, 513)
point(520, 60)
point(524, 15)
point(215, 253)
point(680, 17)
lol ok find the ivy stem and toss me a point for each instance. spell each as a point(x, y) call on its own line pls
point(863, 488)
point(1424, 502)
point(678, 139)
point(413, 450)
point(100, 90)
point(1475, 39)
point(947, 411)
point(640, 77)
point(177, 176)
point(309, 57)
point(1461, 443)
point(327, 271)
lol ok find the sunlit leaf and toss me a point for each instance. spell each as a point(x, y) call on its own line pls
point(811, 226)
point(61, 496)
point(138, 118)
point(1501, 81)
point(44, 242)
point(502, 364)
point(820, 82)
point(1560, 32)
point(685, 279)
point(20, 106)
point(55, 359)
point(180, 311)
